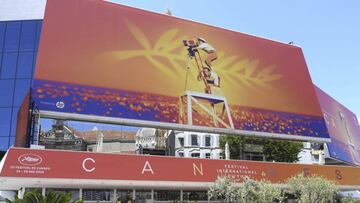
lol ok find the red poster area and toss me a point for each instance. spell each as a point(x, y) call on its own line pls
point(55, 164)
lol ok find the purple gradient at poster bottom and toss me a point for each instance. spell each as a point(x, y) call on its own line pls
point(72, 98)
point(343, 128)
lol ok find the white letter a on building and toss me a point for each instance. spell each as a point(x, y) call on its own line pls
point(147, 168)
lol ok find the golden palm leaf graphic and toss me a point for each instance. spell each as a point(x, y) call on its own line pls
point(168, 46)
point(164, 47)
point(247, 72)
point(138, 34)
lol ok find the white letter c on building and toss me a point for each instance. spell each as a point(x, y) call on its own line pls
point(84, 165)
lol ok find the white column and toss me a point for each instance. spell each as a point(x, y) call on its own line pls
point(43, 192)
point(21, 193)
point(115, 195)
point(189, 109)
point(186, 152)
point(134, 196)
point(80, 194)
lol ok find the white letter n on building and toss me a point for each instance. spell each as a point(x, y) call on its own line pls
point(198, 169)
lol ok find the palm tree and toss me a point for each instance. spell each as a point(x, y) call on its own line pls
point(51, 197)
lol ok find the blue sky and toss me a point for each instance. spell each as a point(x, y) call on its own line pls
point(327, 30)
point(46, 124)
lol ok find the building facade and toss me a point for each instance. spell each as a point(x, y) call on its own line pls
point(127, 177)
point(194, 144)
point(20, 28)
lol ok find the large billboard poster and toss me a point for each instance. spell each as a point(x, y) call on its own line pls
point(104, 59)
point(343, 127)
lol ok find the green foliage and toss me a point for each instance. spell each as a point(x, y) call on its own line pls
point(267, 192)
point(235, 145)
point(251, 190)
point(258, 191)
point(223, 188)
point(309, 189)
point(35, 196)
point(349, 199)
point(282, 151)
point(279, 151)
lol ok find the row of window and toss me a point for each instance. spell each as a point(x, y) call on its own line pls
point(124, 195)
point(20, 35)
point(195, 141)
point(196, 155)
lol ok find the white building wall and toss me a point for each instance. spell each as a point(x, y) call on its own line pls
point(146, 137)
point(305, 156)
point(187, 150)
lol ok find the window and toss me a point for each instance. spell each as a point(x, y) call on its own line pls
point(181, 154)
point(196, 155)
point(4, 143)
point(5, 118)
point(8, 68)
point(181, 141)
point(0, 60)
point(207, 141)
point(195, 196)
point(13, 121)
point(142, 194)
point(25, 65)
point(98, 195)
point(254, 156)
point(6, 93)
point(166, 195)
point(27, 36)
point(316, 158)
point(194, 140)
point(22, 87)
point(12, 36)
point(124, 195)
point(12, 141)
point(2, 35)
point(38, 32)
point(207, 155)
point(34, 65)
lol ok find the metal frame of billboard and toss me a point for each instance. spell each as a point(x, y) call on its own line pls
point(174, 126)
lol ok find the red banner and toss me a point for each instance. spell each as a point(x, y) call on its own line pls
point(85, 165)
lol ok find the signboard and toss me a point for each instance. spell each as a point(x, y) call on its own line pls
point(343, 128)
point(32, 163)
point(110, 60)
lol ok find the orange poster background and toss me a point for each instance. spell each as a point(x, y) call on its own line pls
point(96, 43)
